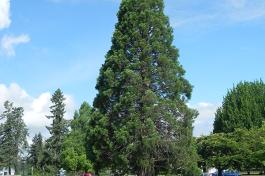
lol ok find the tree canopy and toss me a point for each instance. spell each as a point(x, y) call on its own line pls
point(243, 107)
point(242, 150)
point(141, 122)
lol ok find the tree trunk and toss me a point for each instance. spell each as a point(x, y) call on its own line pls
point(220, 172)
point(9, 170)
point(141, 173)
point(145, 173)
point(16, 169)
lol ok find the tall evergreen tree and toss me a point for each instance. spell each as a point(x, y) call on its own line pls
point(58, 129)
point(142, 124)
point(243, 107)
point(13, 136)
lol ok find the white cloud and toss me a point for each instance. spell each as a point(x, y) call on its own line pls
point(4, 14)
point(35, 108)
point(204, 122)
point(208, 12)
point(8, 43)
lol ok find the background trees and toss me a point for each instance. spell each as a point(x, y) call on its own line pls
point(243, 107)
point(238, 137)
point(58, 130)
point(13, 134)
point(142, 124)
point(242, 150)
point(36, 152)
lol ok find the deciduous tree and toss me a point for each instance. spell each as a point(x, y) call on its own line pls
point(74, 154)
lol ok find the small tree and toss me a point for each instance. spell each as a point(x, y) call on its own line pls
point(217, 150)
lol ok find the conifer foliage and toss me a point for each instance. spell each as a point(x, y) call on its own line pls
point(243, 107)
point(141, 123)
point(58, 129)
point(13, 136)
point(36, 152)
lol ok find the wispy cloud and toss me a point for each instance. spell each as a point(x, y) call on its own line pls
point(8, 43)
point(4, 14)
point(208, 12)
point(245, 10)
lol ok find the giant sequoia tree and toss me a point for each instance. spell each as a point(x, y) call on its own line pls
point(243, 107)
point(142, 124)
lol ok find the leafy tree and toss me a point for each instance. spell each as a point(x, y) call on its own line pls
point(242, 150)
point(243, 107)
point(58, 130)
point(253, 139)
point(74, 156)
point(36, 152)
point(217, 150)
point(141, 122)
point(13, 136)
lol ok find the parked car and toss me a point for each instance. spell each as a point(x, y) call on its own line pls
point(231, 173)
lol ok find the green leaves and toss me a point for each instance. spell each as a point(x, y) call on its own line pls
point(243, 107)
point(70, 159)
point(242, 150)
point(74, 149)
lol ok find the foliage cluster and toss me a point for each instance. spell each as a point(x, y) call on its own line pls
point(243, 107)
point(243, 150)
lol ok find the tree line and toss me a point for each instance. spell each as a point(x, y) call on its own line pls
point(72, 143)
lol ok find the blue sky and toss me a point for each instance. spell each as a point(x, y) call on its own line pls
point(50, 44)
